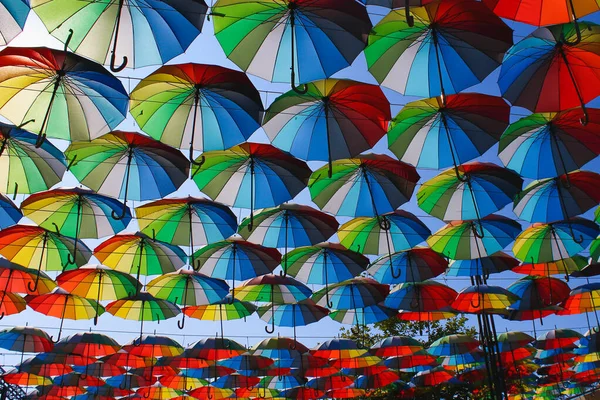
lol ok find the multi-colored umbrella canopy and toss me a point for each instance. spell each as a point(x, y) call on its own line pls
point(224, 310)
point(141, 31)
point(128, 165)
point(430, 58)
point(197, 106)
point(537, 293)
point(25, 339)
point(395, 346)
point(11, 303)
point(363, 316)
point(428, 134)
point(483, 299)
point(420, 296)
point(338, 348)
point(540, 13)
point(273, 289)
point(14, 15)
point(333, 119)
point(568, 266)
point(88, 344)
point(9, 212)
point(17, 279)
point(368, 185)
point(453, 344)
point(59, 94)
point(557, 338)
point(313, 39)
point(493, 264)
point(351, 294)
point(413, 265)
point(303, 313)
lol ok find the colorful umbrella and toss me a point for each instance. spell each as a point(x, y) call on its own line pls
point(469, 191)
point(430, 58)
point(428, 134)
point(363, 316)
point(197, 107)
point(368, 185)
point(25, 379)
point(216, 348)
point(366, 234)
point(303, 313)
point(558, 198)
point(351, 294)
point(9, 212)
point(150, 32)
point(582, 299)
point(413, 265)
point(30, 169)
point(129, 166)
point(338, 348)
point(557, 338)
point(453, 344)
point(270, 39)
point(396, 346)
point(246, 362)
point(538, 293)
point(567, 266)
point(419, 359)
point(14, 15)
point(154, 346)
point(540, 13)
point(139, 254)
point(17, 279)
point(559, 56)
point(546, 145)
point(211, 392)
point(483, 299)
point(493, 264)
point(158, 392)
point(187, 287)
point(420, 296)
point(348, 117)
point(224, 310)
point(25, 339)
point(11, 303)
point(59, 94)
point(467, 240)
point(182, 382)
point(279, 347)
point(88, 344)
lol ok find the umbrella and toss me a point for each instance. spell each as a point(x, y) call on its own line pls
point(138, 253)
point(493, 264)
point(345, 393)
point(535, 12)
point(158, 391)
point(77, 213)
point(582, 299)
point(17, 279)
point(14, 15)
point(64, 305)
point(63, 95)
point(25, 379)
point(39, 248)
point(363, 316)
point(211, 392)
point(212, 371)
point(129, 166)
point(127, 381)
point(348, 117)
point(376, 381)
point(232, 176)
point(338, 348)
point(302, 393)
point(331, 382)
point(150, 32)
point(77, 379)
point(25, 339)
point(88, 344)
point(29, 169)
point(154, 346)
point(197, 106)
point(187, 287)
point(276, 40)
point(396, 346)
point(9, 212)
point(303, 313)
point(561, 266)
point(513, 340)
point(365, 234)
point(483, 299)
point(53, 364)
point(11, 303)
point(426, 316)
point(467, 240)
point(246, 362)
point(557, 338)
point(223, 310)
point(470, 191)
point(558, 198)
point(281, 383)
point(351, 294)
point(234, 258)
point(420, 296)
point(368, 185)
point(534, 68)
point(99, 282)
point(279, 348)
point(216, 348)
point(443, 30)
point(126, 359)
point(413, 265)
point(182, 382)
point(538, 293)
point(428, 134)
point(453, 344)
point(545, 145)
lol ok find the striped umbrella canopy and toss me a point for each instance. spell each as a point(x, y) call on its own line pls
point(483, 299)
point(88, 344)
point(14, 15)
point(303, 313)
point(77, 379)
point(540, 13)
point(493, 264)
point(246, 362)
point(382, 379)
point(158, 392)
point(273, 289)
point(338, 348)
point(427, 316)
point(395, 346)
point(182, 382)
point(216, 348)
point(302, 393)
point(127, 381)
point(351, 294)
point(25, 379)
point(363, 316)
point(17, 279)
point(420, 296)
point(331, 382)
point(413, 265)
point(224, 310)
point(391, 232)
point(453, 344)
point(513, 340)
point(537, 292)
point(11, 303)
point(211, 392)
point(154, 346)
point(25, 339)
point(563, 266)
point(556, 339)
point(126, 359)
point(281, 382)
point(582, 299)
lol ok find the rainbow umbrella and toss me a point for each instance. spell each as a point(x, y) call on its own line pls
point(212, 371)
point(14, 15)
point(154, 346)
point(302, 393)
point(99, 282)
point(303, 313)
point(413, 265)
point(540, 13)
point(428, 134)
point(128, 165)
point(182, 361)
point(331, 382)
point(467, 240)
point(453, 344)
point(36, 247)
point(30, 169)
point(513, 340)
point(546, 145)
point(197, 107)
point(469, 191)
point(187, 287)
point(127, 381)
point(395, 346)
point(211, 392)
point(88, 344)
point(158, 392)
point(493, 264)
point(64, 305)
point(376, 381)
point(224, 310)
point(59, 94)
point(582, 299)
point(52, 364)
point(25, 339)
point(216, 348)
point(346, 393)
point(17, 279)
point(537, 294)
point(483, 299)
point(367, 235)
point(351, 294)
point(279, 348)
point(281, 382)
point(77, 213)
point(25, 379)
point(338, 348)
point(426, 316)
point(428, 59)
point(232, 176)
point(246, 362)
point(11, 303)
point(557, 338)
point(100, 369)
point(330, 120)
point(139, 253)
point(182, 382)
point(77, 379)
point(562, 266)
point(363, 316)
point(420, 296)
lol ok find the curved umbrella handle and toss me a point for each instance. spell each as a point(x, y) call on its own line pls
point(119, 68)
point(409, 18)
point(272, 329)
point(328, 303)
point(123, 212)
point(394, 274)
point(147, 394)
point(585, 119)
point(181, 324)
point(2, 315)
point(476, 305)
point(384, 223)
point(577, 40)
point(114, 68)
point(35, 284)
point(300, 89)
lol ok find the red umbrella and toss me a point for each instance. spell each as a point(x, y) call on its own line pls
point(542, 12)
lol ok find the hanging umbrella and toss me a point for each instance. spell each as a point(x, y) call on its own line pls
point(557, 267)
point(279, 348)
point(556, 57)
point(370, 382)
point(453, 344)
point(246, 362)
point(345, 393)
point(216, 348)
point(11, 303)
point(99, 283)
point(281, 382)
point(25, 379)
point(139, 254)
point(127, 381)
point(232, 176)
point(420, 358)
point(493, 264)
point(338, 348)
point(187, 287)
point(154, 346)
point(428, 134)
point(76, 379)
point(143, 307)
point(270, 39)
point(158, 392)
point(545, 145)
point(150, 32)
point(470, 191)
point(211, 392)
point(41, 249)
point(467, 240)
point(443, 30)
point(212, 371)
point(302, 393)
point(513, 340)
point(30, 169)
point(126, 359)
point(540, 13)
point(330, 120)
point(14, 15)
point(537, 294)
point(363, 316)
point(63, 95)
point(558, 198)
point(365, 234)
point(17, 279)
point(233, 259)
point(420, 296)
point(396, 346)
point(224, 310)
point(197, 107)
point(303, 313)
point(351, 294)
point(426, 316)
point(53, 364)
point(129, 166)
point(25, 339)
point(337, 381)
point(9, 212)
point(368, 185)
point(88, 344)
point(483, 299)
point(413, 265)
point(582, 299)
point(182, 382)
point(64, 305)
point(557, 338)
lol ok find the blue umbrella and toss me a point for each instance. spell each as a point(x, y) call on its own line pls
point(493, 264)
point(414, 265)
point(14, 14)
point(363, 316)
point(9, 213)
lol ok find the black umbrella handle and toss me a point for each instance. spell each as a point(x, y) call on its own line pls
point(300, 89)
point(127, 175)
point(409, 18)
point(195, 116)
point(113, 56)
point(39, 270)
point(575, 25)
